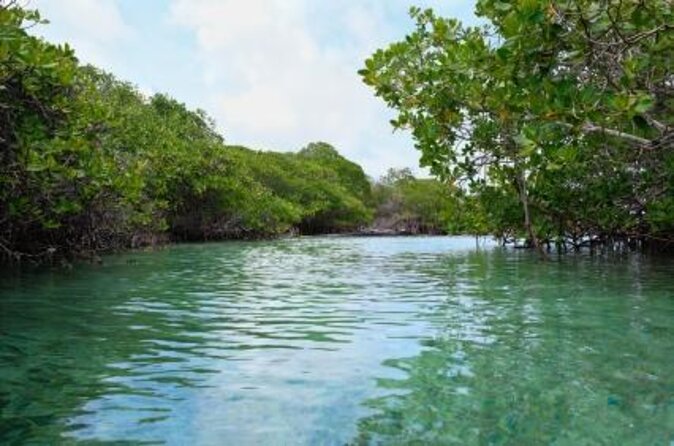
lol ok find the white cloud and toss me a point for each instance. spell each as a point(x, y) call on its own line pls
point(283, 73)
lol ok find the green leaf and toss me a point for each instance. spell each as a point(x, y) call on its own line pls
point(644, 103)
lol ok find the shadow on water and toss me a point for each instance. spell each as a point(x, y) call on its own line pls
point(331, 341)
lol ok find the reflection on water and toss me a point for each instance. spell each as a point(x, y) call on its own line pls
point(340, 340)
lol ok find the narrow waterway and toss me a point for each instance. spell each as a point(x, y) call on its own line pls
point(340, 340)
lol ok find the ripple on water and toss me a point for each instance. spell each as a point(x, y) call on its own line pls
point(338, 340)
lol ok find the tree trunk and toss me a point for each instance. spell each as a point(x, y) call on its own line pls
point(524, 198)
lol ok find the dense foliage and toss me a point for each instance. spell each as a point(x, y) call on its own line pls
point(325, 191)
point(554, 120)
point(406, 204)
point(89, 164)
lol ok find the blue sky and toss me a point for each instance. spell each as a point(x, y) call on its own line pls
point(275, 74)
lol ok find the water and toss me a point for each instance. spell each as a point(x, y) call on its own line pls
point(340, 341)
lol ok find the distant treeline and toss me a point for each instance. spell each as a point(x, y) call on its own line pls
point(91, 165)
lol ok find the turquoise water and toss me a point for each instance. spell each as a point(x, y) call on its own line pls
point(340, 341)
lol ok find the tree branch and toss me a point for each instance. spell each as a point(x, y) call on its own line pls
point(588, 128)
point(662, 128)
point(592, 128)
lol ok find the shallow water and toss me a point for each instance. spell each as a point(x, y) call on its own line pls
point(340, 340)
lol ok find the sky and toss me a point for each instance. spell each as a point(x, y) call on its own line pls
point(274, 74)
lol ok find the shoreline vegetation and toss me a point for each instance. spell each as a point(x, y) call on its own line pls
point(90, 165)
point(564, 142)
point(565, 139)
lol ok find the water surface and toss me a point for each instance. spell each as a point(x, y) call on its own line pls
point(340, 341)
